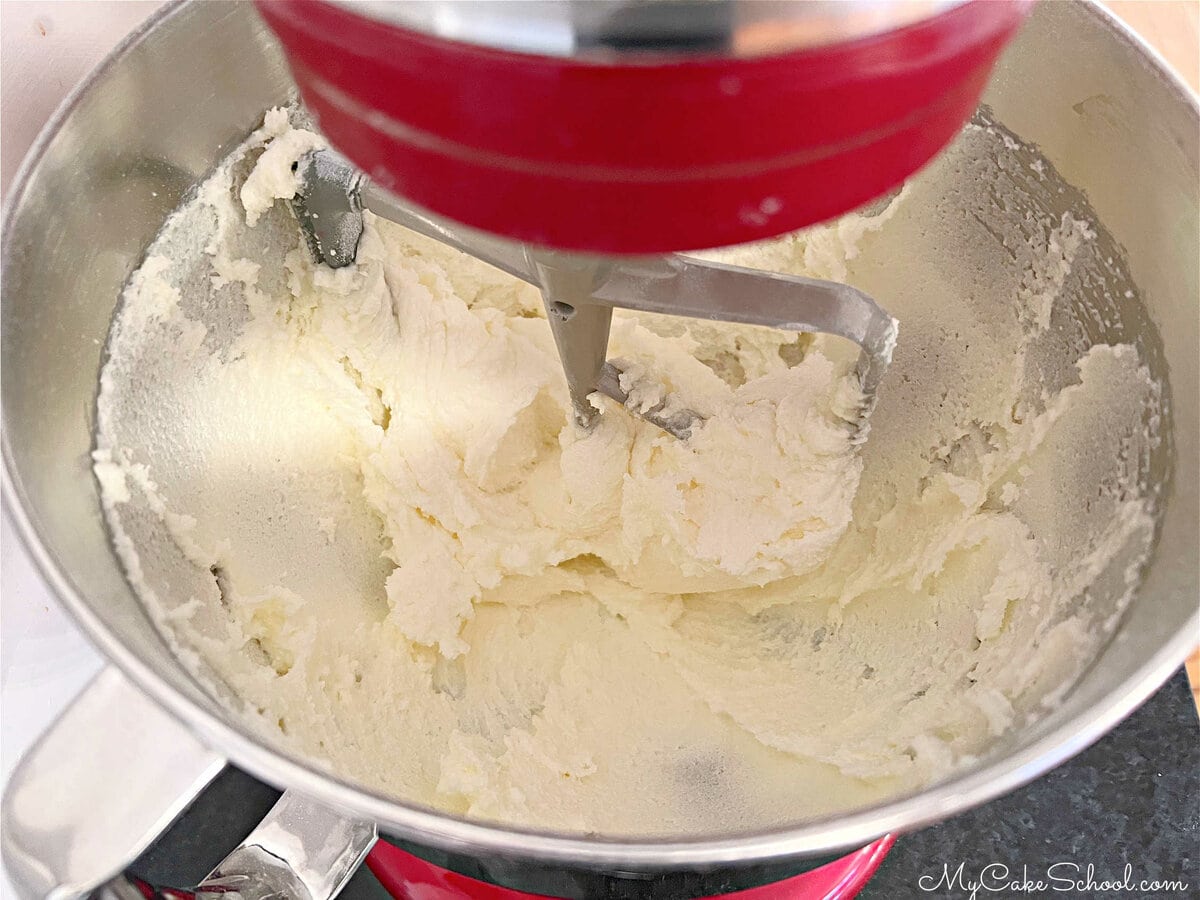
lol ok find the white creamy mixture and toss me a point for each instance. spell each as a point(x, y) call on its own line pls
point(357, 504)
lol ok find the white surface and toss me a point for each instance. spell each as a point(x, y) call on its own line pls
point(45, 49)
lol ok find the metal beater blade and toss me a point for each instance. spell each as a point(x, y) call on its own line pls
point(580, 291)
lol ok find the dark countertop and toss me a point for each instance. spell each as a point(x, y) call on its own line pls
point(1131, 799)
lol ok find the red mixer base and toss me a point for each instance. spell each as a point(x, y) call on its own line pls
point(407, 877)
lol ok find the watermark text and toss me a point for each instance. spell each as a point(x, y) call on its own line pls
point(1059, 877)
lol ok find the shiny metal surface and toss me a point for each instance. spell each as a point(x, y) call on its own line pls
point(96, 790)
point(615, 28)
point(580, 291)
point(301, 851)
point(113, 773)
point(580, 328)
point(161, 112)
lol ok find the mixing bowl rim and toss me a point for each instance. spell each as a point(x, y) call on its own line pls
point(962, 791)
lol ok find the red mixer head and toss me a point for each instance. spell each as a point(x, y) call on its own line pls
point(633, 126)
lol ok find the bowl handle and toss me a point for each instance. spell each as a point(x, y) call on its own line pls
point(300, 850)
point(112, 773)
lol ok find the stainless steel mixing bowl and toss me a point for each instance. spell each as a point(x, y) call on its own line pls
point(143, 739)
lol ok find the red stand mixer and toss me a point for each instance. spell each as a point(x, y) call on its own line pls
point(584, 146)
point(614, 129)
point(641, 127)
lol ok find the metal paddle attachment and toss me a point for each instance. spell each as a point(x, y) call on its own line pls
point(580, 291)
